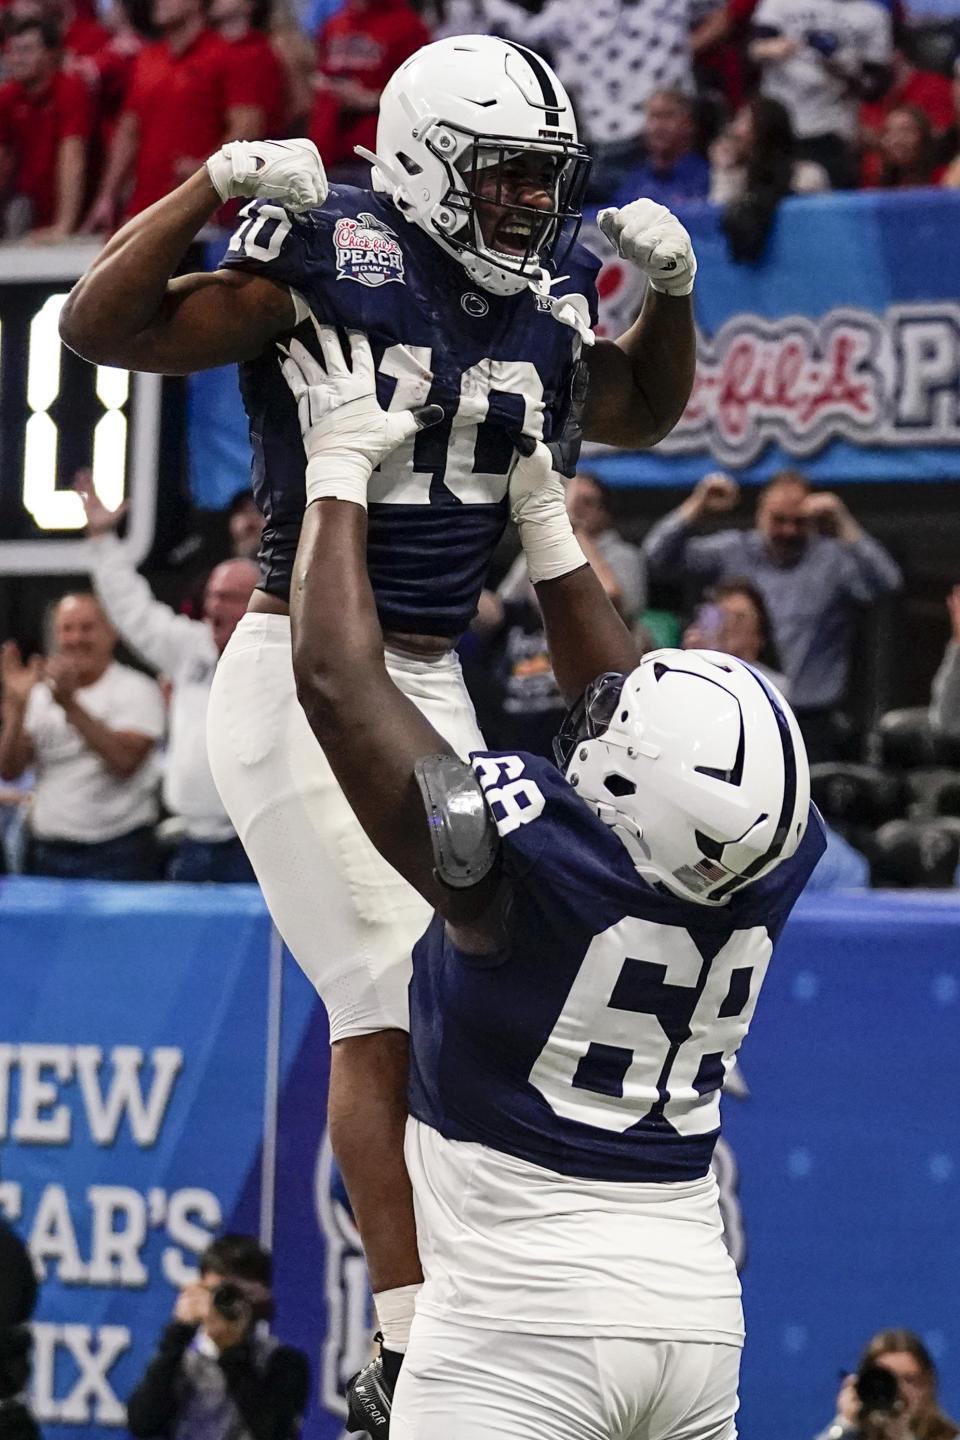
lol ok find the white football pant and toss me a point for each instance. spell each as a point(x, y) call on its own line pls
point(462, 1383)
point(349, 919)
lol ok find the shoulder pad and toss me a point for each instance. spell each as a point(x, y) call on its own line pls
point(462, 831)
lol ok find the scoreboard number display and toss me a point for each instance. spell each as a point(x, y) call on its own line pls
point(60, 414)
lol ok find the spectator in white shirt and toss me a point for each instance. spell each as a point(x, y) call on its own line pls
point(186, 651)
point(611, 55)
point(820, 58)
point(89, 727)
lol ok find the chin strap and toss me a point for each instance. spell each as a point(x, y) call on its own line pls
point(389, 172)
point(564, 308)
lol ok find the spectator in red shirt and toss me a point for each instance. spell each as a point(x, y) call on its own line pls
point(906, 157)
point(716, 37)
point(359, 48)
point(930, 93)
point(45, 119)
point(114, 66)
point(242, 24)
point(83, 35)
point(189, 94)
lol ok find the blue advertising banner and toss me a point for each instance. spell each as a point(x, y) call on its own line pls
point(163, 1073)
point(840, 351)
point(144, 1038)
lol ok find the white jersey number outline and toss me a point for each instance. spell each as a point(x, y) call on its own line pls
point(397, 482)
point(649, 1028)
point(261, 236)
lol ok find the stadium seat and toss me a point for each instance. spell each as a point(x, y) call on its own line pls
point(933, 792)
point(903, 740)
point(916, 853)
point(857, 795)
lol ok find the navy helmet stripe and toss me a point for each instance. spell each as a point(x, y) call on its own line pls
point(543, 79)
point(789, 797)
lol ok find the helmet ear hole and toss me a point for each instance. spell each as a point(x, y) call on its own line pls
point(411, 166)
point(619, 785)
point(713, 849)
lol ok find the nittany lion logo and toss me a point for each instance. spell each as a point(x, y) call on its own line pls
point(367, 251)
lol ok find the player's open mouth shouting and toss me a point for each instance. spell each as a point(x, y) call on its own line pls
point(516, 196)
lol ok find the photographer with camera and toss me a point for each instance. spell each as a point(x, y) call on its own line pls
point(218, 1373)
point(893, 1395)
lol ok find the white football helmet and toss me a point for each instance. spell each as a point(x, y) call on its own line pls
point(697, 763)
point(452, 110)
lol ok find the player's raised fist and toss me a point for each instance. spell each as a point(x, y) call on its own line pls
point(650, 237)
point(289, 171)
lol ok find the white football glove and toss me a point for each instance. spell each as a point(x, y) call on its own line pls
point(289, 171)
point(650, 237)
point(539, 511)
point(345, 432)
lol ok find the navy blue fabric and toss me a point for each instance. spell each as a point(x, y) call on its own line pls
point(134, 856)
point(427, 561)
point(220, 862)
point(479, 1023)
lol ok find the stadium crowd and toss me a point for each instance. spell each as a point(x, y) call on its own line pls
point(739, 103)
point(104, 110)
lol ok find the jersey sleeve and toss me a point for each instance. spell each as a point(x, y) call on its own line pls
point(769, 900)
point(551, 842)
point(274, 242)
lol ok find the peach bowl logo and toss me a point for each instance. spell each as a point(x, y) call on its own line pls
point(367, 251)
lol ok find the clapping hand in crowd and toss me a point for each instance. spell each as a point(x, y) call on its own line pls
point(17, 678)
point(62, 677)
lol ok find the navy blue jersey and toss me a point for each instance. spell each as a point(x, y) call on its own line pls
point(497, 366)
point(597, 1041)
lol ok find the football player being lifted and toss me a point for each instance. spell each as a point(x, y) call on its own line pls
point(600, 934)
point(460, 266)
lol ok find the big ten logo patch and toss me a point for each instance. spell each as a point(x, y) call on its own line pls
point(346, 1344)
point(367, 251)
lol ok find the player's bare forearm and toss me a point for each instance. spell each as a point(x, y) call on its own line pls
point(371, 733)
point(126, 311)
point(585, 635)
point(640, 384)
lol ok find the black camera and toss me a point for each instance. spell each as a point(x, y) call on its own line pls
point(230, 1302)
point(877, 1390)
